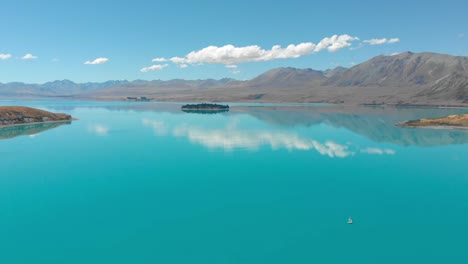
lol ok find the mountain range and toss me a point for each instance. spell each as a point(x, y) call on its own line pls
point(403, 79)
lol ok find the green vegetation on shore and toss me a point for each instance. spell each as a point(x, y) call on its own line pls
point(205, 107)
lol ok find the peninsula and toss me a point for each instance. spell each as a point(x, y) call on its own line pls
point(449, 122)
point(20, 115)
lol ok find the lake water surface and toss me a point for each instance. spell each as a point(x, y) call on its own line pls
point(147, 183)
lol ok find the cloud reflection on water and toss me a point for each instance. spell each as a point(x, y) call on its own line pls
point(159, 127)
point(99, 129)
point(231, 137)
point(378, 151)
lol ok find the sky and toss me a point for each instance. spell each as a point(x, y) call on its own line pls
point(95, 41)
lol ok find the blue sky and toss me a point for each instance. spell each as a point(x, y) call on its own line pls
point(125, 36)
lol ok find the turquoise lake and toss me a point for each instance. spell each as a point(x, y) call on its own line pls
point(147, 183)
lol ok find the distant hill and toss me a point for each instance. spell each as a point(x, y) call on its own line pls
point(405, 79)
point(336, 71)
point(404, 70)
point(287, 77)
point(55, 88)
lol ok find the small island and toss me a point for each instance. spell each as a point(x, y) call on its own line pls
point(449, 122)
point(205, 108)
point(140, 99)
point(20, 115)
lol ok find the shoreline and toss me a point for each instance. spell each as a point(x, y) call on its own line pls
point(38, 123)
point(276, 102)
point(450, 122)
point(440, 127)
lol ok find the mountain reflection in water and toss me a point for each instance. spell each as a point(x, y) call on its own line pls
point(377, 124)
point(374, 123)
point(28, 130)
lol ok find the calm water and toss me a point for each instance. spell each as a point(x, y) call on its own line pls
point(146, 183)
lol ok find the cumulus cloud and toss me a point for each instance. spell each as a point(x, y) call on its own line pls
point(376, 41)
point(236, 72)
point(98, 129)
point(381, 41)
point(159, 60)
point(231, 55)
point(4, 56)
point(378, 151)
point(177, 60)
point(97, 61)
point(335, 43)
point(155, 67)
point(29, 56)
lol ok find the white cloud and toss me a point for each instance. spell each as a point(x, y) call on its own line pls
point(99, 129)
point(335, 43)
point(231, 55)
point(29, 56)
point(4, 56)
point(231, 66)
point(183, 65)
point(177, 60)
point(376, 41)
point(377, 151)
point(155, 67)
point(236, 72)
point(97, 61)
point(381, 41)
point(159, 60)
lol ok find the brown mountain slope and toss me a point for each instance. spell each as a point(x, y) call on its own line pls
point(403, 70)
point(405, 79)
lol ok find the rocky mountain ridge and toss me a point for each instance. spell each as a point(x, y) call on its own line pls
point(407, 78)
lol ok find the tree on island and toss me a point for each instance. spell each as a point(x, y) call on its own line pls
point(205, 106)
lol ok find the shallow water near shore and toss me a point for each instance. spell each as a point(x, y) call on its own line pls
point(148, 183)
